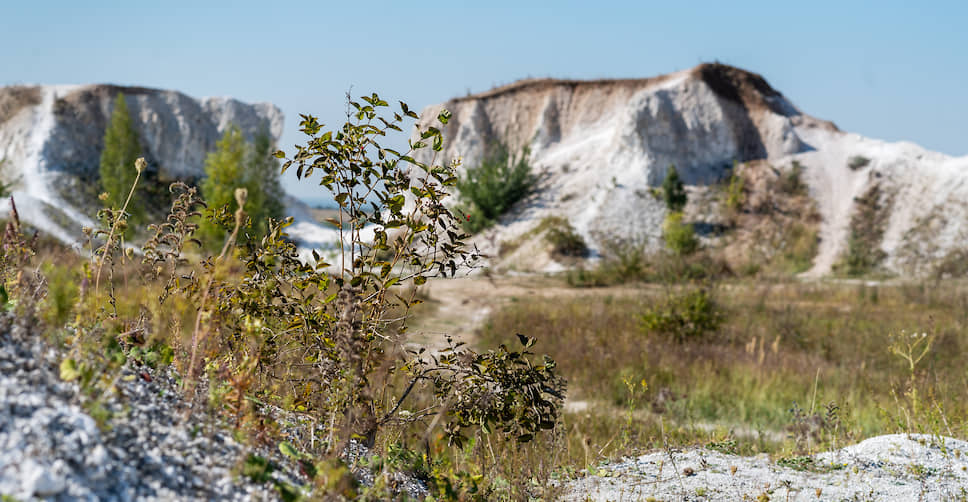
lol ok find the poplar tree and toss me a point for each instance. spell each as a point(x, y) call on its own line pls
point(237, 164)
point(121, 149)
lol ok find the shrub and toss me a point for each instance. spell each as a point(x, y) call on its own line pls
point(680, 238)
point(673, 191)
point(791, 182)
point(492, 187)
point(622, 261)
point(735, 194)
point(857, 162)
point(684, 316)
point(799, 247)
point(867, 225)
point(564, 240)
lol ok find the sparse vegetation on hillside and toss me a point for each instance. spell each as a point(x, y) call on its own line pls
point(491, 188)
point(6, 184)
point(791, 180)
point(774, 222)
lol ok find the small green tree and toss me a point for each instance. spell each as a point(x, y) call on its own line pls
point(496, 184)
point(237, 164)
point(673, 191)
point(680, 237)
point(688, 315)
point(121, 149)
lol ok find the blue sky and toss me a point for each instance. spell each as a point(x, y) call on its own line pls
point(890, 70)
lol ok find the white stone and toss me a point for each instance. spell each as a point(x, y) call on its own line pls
point(41, 480)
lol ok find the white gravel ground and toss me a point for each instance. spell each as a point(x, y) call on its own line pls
point(891, 467)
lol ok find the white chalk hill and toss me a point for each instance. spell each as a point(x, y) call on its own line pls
point(599, 146)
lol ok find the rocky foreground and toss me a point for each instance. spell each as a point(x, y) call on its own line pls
point(52, 449)
point(892, 467)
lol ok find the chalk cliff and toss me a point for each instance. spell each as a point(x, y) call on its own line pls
point(598, 148)
point(51, 138)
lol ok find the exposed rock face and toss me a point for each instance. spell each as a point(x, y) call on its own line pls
point(600, 146)
point(51, 138)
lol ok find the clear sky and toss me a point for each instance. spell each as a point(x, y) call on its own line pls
point(884, 69)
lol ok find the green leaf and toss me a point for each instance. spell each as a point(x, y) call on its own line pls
point(419, 280)
point(287, 449)
point(68, 370)
point(527, 341)
point(444, 116)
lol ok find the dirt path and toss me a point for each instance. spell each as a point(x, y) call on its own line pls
point(458, 307)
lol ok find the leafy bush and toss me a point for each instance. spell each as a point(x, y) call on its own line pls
point(327, 340)
point(673, 191)
point(622, 261)
point(492, 187)
point(798, 248)
point(680, 238)
point(685, 316)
